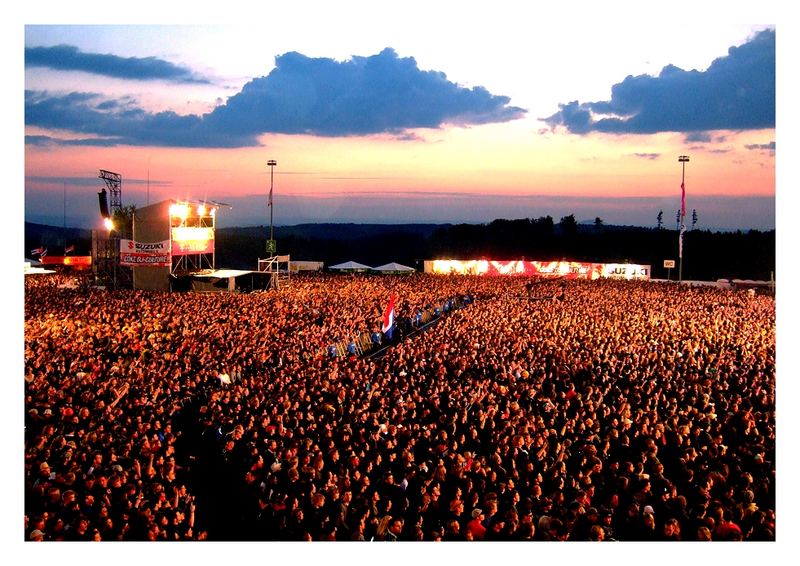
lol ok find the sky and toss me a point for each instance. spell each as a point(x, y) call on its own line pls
point(406, 115)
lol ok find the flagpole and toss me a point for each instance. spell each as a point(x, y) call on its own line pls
point(271, 164)
point(65, 217)
point(683, 159)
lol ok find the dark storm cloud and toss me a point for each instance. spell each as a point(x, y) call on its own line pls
point(70, 58)
point(380, 94)
point(737, 92)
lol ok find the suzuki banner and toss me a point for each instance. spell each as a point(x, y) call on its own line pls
point(624, 271)
point(153, 254)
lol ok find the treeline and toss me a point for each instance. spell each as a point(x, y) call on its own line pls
point(707, 255)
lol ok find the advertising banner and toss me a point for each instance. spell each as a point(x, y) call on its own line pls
point(73, 260)
point(625, 271)
point(153, 254)
point(554, 269)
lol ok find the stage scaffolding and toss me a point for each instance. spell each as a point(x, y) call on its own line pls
point(278, 268)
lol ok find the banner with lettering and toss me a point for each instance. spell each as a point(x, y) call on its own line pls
point(550, 269)
point(625, 271)
point(144, 254)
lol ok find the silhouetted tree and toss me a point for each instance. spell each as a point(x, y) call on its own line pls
point(569, 225)
point(660, 219)
point(123, 220)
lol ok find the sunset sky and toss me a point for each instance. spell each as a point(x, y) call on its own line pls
point(407, 115)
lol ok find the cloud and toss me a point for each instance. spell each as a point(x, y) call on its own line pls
point(761, 146)
point(382, 93)
point(54, 180)
point(648, 155)
point(379, 94)
point(736, 92)
point(51, 141)
point(120, 122)
point(70, 58)
point(693, 137)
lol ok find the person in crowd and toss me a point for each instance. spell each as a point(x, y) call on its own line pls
point(625, 411)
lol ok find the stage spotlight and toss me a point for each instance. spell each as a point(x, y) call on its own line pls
point(179, 210)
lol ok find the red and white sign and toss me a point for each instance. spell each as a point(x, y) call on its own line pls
point(145, 260)
point(624, 271)
point(555, 269)
point(549, 269)
point(73, 260)
point(152, 254)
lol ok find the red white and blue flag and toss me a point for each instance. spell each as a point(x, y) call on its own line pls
point(69, 249)
point(388, 319)
point(683, 200)
point(38, 251)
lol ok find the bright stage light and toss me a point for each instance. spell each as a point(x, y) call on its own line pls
point(201, 210)
point(179, 210)
point(108, 224)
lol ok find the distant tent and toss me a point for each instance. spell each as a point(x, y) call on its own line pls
point(394, 268)
point(351, 266)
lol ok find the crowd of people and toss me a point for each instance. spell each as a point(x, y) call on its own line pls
point(544, 410)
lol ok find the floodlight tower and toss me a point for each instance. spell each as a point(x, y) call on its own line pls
point(114, 183)
point(108, 256)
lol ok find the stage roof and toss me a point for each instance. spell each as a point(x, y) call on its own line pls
point(223, 273)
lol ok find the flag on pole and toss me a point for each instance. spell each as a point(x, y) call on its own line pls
point(69, 249)
point(388, 319)
point(683, 199)
point(43, 252)
point(37, 251)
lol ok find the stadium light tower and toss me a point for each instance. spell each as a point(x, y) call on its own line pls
point(271, 247)
point(683, 160)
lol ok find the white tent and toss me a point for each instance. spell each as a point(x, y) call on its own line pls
point(350, 266)
point(394, 268)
